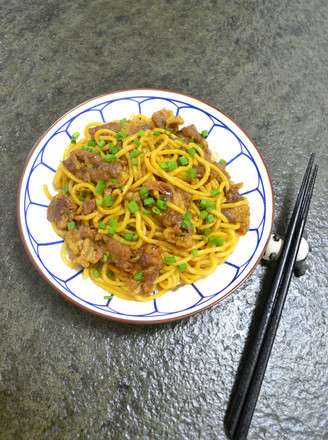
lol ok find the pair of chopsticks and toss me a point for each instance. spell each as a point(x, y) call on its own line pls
point(240, 412)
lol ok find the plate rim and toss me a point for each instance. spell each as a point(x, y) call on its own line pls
point(115, 318)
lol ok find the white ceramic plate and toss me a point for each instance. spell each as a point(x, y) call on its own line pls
point(227, 140)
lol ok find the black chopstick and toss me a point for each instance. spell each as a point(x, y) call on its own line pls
point(242, 406)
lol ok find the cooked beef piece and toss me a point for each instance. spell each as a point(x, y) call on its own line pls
point(151, 263)
point(166, 119)
point(175, 195)
point(91, 167)
point(239, 214)
point(113, 126)
point(169, 218)
point(87, 247)
point(178, 236)
point(61, 210)
point(88, 206)
point(130, 127)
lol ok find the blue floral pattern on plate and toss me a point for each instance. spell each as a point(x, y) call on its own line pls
point(227, 140)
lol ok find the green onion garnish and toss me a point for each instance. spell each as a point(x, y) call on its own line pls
point(110, 158)
point(141, 133)
point(191, 151)
point(74, 137)
point(91, 143)
point(194, 252)
point(70, 225)
point(207, 231)
point(135, 153)
point(204, 133)
point(215, 241)
point(183, 161)
point(110, 273)
point(185, 224)
point(222, 161)
point(170, 260)
point(96, 271)
point(120, 135)
point(162, 204)
point(169, 165)
point(105, 258)
point(187, 216)
point(156, 210)
point(137, 142)
point(111, 231)
point(108, 201)
point(100, 186)
point(133, 206)
point(144, 192)
point(65, 188)
point(101, 143)
point(210, 218)
point(123, 121)
point(113, 222)
point(203, 214)
point(109, 296)
point(215, 192)
point(100, 202)
point(148, 201)
point(102, 225)
point(191, 173)
point(134, 162)
point(182, 267)
point(130, 236)
point(138, 276)
point(146, 212)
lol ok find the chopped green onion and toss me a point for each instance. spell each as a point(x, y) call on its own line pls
point(191, 151)
point(100, 186)
point(84, 148)
point(100, 202)
point(112, 149)
point(182, 267)
point(120, 135)
point(194, 252)
point(210, 218)
point(191, 173)
point(148, 201)
point(113, 222)
point(215, 192)
point(156, 210)
point(112, 180)
point(74, 137)
point(134, 162)
point(137, 142)
point(65, 188)
point(70, 225)
point(146, 212)
point(91, 143)
point(110, 273)
point(202, 204)
point(105, 258)
point(96, 271)
point(169, 165)
point(108, 201)
point(110, 158)
point(185, 224)
point(138, 276)
point(101, 143)
point(109, 296)
point(141, 133)
point(144, 192)
point(207, 231)
point(123, 121)
point(203, 214)
point(210, 205)
point(183, 161)
point(222, 161)
point(111, 231)
point(162, 204)
point(215, 241)
point(102, 225)
point(157, 133)
point(170, 260)
point(204, 133)
point(135, 153)
point(187, 216)
point(133, 206)
point(82, 196)
point(130, 237)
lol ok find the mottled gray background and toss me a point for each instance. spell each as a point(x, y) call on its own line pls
point(66, 374)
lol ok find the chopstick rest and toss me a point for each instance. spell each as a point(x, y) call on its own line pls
point(241, 408)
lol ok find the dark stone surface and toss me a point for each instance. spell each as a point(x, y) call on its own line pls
point(66, 374)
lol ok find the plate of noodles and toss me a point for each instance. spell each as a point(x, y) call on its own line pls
point(145, 205)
